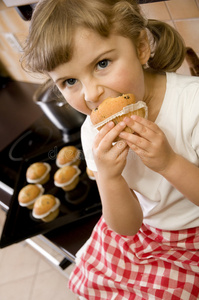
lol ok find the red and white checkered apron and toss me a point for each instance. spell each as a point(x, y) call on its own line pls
point(153, 264)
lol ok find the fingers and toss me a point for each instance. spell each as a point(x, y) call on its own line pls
point(120, 148)
point(124, 149)
point(141, 126)
point(147, 139)
point(108, 134)
point(140, 139)
point(104, 146)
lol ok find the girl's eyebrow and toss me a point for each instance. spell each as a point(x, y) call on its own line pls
point(97, 59)
point(60, 79)
point(93, 62)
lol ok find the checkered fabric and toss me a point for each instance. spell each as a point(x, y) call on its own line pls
point(153, 264)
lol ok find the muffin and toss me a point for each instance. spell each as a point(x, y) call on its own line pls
point(115, 109)
point(46, 208)
point(67, 177)
point(68, 155)
point(90, 173)
point(38, 172)
point(29, 194)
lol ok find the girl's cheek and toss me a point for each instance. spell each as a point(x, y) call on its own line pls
point(80, 105)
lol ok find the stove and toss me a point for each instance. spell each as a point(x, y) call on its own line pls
point(41, 141)
point(37, 137)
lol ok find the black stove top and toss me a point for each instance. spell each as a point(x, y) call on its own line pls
point(36, 138)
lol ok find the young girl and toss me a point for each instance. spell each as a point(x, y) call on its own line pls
point(146, 245)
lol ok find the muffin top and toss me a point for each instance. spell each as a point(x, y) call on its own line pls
point(67, 155)
point(29, 193)
point(37, 171)
point(44, 205)
point(66, 175)
point(110, 106)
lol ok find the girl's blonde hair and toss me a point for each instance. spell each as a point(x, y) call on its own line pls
point(50, 40)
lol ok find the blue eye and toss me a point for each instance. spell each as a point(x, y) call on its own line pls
point(103, 63)
point(71, 81)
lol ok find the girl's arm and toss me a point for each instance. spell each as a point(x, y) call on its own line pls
point(184, 176)
point(121, 209)
point(151, 145)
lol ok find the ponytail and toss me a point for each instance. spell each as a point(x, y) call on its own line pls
point(169, 49)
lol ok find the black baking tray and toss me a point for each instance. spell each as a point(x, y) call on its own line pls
point(82, 202)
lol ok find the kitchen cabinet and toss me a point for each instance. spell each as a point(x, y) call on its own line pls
point(11, 3)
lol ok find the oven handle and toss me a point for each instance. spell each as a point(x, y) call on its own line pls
point(60, 265)
point(43, 252)
point(6, 192)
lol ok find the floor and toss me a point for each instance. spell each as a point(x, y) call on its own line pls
point(24, 274)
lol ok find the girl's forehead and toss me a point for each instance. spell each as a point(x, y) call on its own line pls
point(86, 40)
point(84, 35)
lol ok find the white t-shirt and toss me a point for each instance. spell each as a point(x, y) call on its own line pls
point(163, 206)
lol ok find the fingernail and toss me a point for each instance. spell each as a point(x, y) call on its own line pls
point(122, 124)
point(111, 124)
point(126, 118)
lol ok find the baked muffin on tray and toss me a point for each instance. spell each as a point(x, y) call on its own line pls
point(68, 155)
point(67, 177)
point(38, 172)
point(29, 194)
point(90, 173)
point(46, 208)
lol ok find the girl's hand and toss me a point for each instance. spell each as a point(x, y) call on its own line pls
point(110, 158)
point(149, 143)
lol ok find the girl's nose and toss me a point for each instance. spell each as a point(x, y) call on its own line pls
point(92, 92)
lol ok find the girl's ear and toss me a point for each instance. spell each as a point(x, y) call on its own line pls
point(143, 48)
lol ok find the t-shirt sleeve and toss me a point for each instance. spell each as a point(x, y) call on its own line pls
point(194, 118)
point(88, 134)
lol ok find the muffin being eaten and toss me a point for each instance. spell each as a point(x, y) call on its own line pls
point(115, 109)
point(67, 177)
point(29, 194)
point(38, 172)
point(46, 208)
